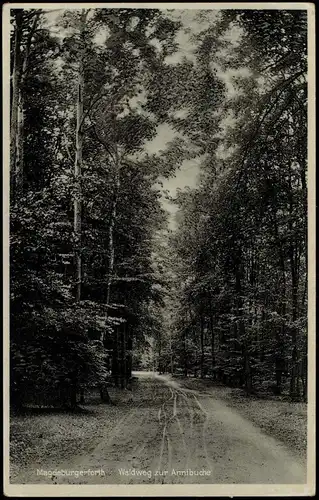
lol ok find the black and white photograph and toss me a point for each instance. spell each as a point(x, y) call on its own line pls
point(159, 178)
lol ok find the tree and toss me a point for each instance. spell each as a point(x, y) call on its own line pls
point(24, 30)
point(250, 207)
point(75, 203)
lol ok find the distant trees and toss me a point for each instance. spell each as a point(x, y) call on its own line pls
point(83, 221)
point(241, 241)
point(94, 273)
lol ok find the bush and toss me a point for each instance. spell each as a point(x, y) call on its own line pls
point(54, 368)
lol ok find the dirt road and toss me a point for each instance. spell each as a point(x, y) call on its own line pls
point(176, 435)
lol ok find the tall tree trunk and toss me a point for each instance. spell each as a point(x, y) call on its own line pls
point(247, 369)
point(185, 350)
point(281, 332)
point(78, 169)
point(294, 376)
point(78, 161)
point(241, 325)
point(123, 356)
point(15, 102)
point(118, 355)
point(171, 353)
point(115, 367)
point(212, 334)
point(116, 190)
point(129, 355)
point(304, 366)
point(159, 364)
point(19, 153)
point(201, 345)
point(20, 68)
point(111, 252)
point(281, 329)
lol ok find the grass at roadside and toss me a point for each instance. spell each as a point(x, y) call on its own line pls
point(278, 418)
point(42, 439)
point(48, 439)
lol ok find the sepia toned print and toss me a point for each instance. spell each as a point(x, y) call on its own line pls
point(159, 248)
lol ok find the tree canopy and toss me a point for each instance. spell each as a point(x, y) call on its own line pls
point(96, 273)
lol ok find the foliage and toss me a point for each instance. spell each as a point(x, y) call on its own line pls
point(54, 338)
point(225, 294)
point(241, 246)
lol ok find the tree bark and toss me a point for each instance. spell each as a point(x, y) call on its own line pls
point(185, 352)
point(171, 353)
point(19, 153)
point(280, 330)
point(294, 376)
point(115, 367)
point(111, 229)
point(212, 334)
point(129, 356)
point(20, 68)
point(123, 357)
point(201, 345)
point(241, 325)
point(111, 252)
point(78, 161)
point(16, 80)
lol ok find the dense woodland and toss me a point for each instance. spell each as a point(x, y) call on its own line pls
point(99, 278)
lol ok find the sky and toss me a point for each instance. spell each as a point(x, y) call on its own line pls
point(187, 174)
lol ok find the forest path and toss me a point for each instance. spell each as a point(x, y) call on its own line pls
point(172, 434)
